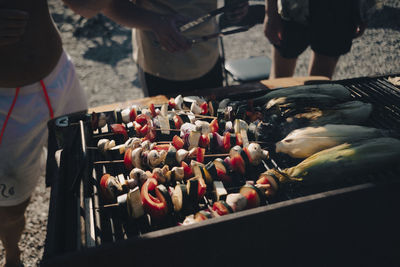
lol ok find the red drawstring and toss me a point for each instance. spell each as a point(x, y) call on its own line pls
point(47, 99)
point(9, 114)
point(15, 100)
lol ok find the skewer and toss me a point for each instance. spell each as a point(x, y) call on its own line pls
point(172, 130)
point(205, 116)
point(122, 161)
point(105, 134)
point(109, 205)
point(157, 129)
point(169, 142)
point(187, 112)
point(159, 142)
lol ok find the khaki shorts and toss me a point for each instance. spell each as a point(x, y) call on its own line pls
point(23, 148)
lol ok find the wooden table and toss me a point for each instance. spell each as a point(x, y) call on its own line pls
point(234, 90)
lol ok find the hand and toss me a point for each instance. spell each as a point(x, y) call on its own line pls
point(360, 29)
point(87, 8)
point(237, 13)
point(273, 28)
point(12, 25)
point(168, 35)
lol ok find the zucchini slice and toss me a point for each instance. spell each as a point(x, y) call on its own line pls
point(180, 197)
point(164, 192)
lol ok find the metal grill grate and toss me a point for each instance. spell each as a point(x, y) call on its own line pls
point(101, 225)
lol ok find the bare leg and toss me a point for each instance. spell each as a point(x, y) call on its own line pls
point(12, 224)
point(321, 65)
point(281, 67)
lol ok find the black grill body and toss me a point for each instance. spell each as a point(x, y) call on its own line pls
point(351, 223)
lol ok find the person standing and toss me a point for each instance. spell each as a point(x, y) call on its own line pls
point(168, 61)
point(328, 26)
point(37, 82)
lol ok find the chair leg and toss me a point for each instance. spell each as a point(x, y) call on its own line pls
point(222, 54)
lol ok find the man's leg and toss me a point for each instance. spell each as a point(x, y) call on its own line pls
point(12, 224)
point(321, 65)
point(142, 80)
point(281, 67)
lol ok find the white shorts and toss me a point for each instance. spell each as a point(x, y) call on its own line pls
point(23, 149)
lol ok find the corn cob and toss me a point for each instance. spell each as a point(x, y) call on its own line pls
point(292, 104)
point(352, 112)
point(303, 142)
point(339, 162)
point(337, 91)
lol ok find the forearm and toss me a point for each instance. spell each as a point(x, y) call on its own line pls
point(87, 8)
point(164, 27)
point(271, 6)
point(130, 15)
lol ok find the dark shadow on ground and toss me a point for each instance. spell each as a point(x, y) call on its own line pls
point(136, 82)
point(98, 26)
point(109, 51)
point(101, 31)
point(387, 18)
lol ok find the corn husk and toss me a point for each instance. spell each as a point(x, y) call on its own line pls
point(352, 112)
point(337, 91)
point(293, 104)
point(367, 156)
point(304, 142)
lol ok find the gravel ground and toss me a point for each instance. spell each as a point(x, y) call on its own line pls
point(101, 51)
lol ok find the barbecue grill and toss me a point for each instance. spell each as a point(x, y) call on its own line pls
point(351, 223)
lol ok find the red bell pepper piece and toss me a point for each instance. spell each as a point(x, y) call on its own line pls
point(142, 119)
point(201, 188)
point(178, 121)
point(177, 142)
point(227, 141)
point(143, 131)
point(128, 159)
point(151, 135)
point(204, 108)
point(186, 170)
point(214, 126)
point(132, 114)
point(161, 147)
point(204, 141)
point(156, 207)
point(119, 129)
point(103, 187)
point(221, 208)
point(200, 154)
point(152, 110)
point(171, 103)
point(238, 164)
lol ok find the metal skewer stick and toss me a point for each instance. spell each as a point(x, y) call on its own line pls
point(188, 112)
point(172, 130)
point(169, 142)
point(157, 129)
point(205, 116)
point(121, 160)
point(96, 148)
point(109, 205)
point(105, 134)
